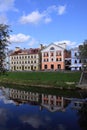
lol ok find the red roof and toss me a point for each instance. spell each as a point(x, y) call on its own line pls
point(26, 51)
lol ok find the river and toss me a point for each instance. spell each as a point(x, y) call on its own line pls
point(27, 110)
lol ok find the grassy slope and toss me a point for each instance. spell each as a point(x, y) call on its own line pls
point(44, 78)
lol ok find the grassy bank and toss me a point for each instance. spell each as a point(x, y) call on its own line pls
point(42, 79)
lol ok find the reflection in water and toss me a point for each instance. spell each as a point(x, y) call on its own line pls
point(35, 111)
point(50, 102)
point(83, 116)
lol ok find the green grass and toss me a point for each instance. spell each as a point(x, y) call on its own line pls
point(56, 79)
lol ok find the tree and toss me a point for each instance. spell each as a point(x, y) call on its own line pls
point(83, 116)
point(4, 41)
point(83, 53)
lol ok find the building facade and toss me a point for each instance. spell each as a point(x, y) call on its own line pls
point(76, 63)
point(25, 60)
point(67, 56)
point(53, 57)
point(53, 103)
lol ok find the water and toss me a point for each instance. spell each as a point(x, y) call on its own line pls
point(25, 110)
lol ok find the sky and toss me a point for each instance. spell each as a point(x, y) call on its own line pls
point(35, 22)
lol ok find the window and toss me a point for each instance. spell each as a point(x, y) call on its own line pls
point(56, 59)
point(75, 54)
point(75, 61)
point(59, 66)
point(58, 53)
point(52, 48)
point(52, 59)
point(34, 67)
point(45, 54)
point(79, 61)
point(31, 56)
point(45, 66)
point(52, 66)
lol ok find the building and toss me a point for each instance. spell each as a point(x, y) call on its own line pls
point(53, 57)
point(25, 59)
point(67, 56)
point(76, 63)
point(54, 103)
point(21, 96)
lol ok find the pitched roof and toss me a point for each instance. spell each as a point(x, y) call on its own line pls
point(25, 51)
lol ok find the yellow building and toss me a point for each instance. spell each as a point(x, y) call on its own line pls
point(25, 59)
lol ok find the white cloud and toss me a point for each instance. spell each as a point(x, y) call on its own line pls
point(6, 5)
point(35, 17)
point(35, 120)
point(69, 44)
point(32, 42)
point(61, 9)
point(19, 38)
point(47, 20)
point(3, 19)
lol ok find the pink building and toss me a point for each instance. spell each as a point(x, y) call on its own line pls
point(53, 57)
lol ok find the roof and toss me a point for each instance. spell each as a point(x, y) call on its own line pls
point(25, 51)
point(54, 45)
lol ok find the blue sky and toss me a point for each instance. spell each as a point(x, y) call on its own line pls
point(45, 21)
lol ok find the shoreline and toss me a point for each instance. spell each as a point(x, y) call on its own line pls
point(69, 85)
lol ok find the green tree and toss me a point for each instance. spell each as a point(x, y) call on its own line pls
point(4, 36)
point(83, 53)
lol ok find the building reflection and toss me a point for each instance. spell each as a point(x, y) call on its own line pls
point(52, 103)
point(78, 104)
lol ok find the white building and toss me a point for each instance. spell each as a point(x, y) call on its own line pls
point(76, 63)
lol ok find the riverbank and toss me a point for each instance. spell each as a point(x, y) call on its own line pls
point(61, 80)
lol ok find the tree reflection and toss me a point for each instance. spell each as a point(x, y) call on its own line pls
point(83, 116)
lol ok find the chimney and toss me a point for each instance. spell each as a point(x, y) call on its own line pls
point(17, 48)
